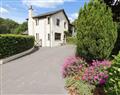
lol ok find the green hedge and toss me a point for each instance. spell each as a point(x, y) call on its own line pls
point(71, 40)
point(12, 44)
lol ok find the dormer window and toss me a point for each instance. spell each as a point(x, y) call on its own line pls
point(37, 22)
point(58, 22)
point(48, 20)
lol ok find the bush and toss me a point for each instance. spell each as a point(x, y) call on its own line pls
point(71, 40)
point(113, 85)
point(96, 31)
point(72, 66)
point(94, 73)
point(13, 44)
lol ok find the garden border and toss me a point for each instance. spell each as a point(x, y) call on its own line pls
point(8, 59)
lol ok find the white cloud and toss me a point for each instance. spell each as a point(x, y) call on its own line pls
point(45, 3)
point(73, 16)
point(3, 10)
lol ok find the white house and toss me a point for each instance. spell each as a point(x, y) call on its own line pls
point(48, 28)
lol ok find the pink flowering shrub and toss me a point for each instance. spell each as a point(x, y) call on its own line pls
point(95, 74)
point(71, 66)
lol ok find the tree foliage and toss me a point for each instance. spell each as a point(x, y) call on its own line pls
point(21, 28)
point(117, 44)
point(96, 31)
point(8, 26)
point(115, 6)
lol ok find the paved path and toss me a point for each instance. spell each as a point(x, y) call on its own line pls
point(37, 73)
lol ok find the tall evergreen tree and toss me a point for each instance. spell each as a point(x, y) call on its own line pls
point(96, 31)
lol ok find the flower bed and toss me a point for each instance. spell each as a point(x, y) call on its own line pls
point(93, 75)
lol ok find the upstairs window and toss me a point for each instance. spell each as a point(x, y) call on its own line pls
point(48, 20)
point(58, 36)
point(37, 22)
point(58, 22)
point(65, 24)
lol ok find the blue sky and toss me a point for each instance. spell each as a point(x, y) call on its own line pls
point(18, 9)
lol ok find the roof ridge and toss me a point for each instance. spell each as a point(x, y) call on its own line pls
point(48, 13)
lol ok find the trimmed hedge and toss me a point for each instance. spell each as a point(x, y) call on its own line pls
point(12, 44)
point(71, 40)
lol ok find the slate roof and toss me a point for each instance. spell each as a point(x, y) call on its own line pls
point(51, 13)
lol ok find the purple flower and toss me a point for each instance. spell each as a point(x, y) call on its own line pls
point(102, 82)
point(70, 66)
point(94, 73)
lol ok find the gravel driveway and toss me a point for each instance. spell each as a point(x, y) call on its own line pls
point(37, 73)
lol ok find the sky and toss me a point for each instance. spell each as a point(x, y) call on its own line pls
point(17, 10)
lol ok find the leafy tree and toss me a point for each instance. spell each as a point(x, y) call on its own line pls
point(75, 23)
point(96, 31)
point(4, 29)
point(7, 25)
point(21, 28)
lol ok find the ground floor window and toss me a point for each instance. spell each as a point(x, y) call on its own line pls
point(48, 36)
point(57, 36)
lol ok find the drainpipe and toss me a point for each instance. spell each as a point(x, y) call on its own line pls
point(50, 33)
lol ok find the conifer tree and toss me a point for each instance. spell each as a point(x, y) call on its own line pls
point(96, 31)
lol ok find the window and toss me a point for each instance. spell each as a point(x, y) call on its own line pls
point(48, 20)
point(37, 22)
point(64, 24)
point(58, 22)
point(57, 36)
point(48, 36)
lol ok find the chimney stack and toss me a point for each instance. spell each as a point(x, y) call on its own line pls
point(30, 21)
point(30, 12)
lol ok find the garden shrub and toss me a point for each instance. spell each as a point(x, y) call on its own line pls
point(96, 31)
point(97, 74)
point(13, 44)
point(72, 66)
point(94, 73)
point(83, 78)
point(71, 40)
point(112, 86)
